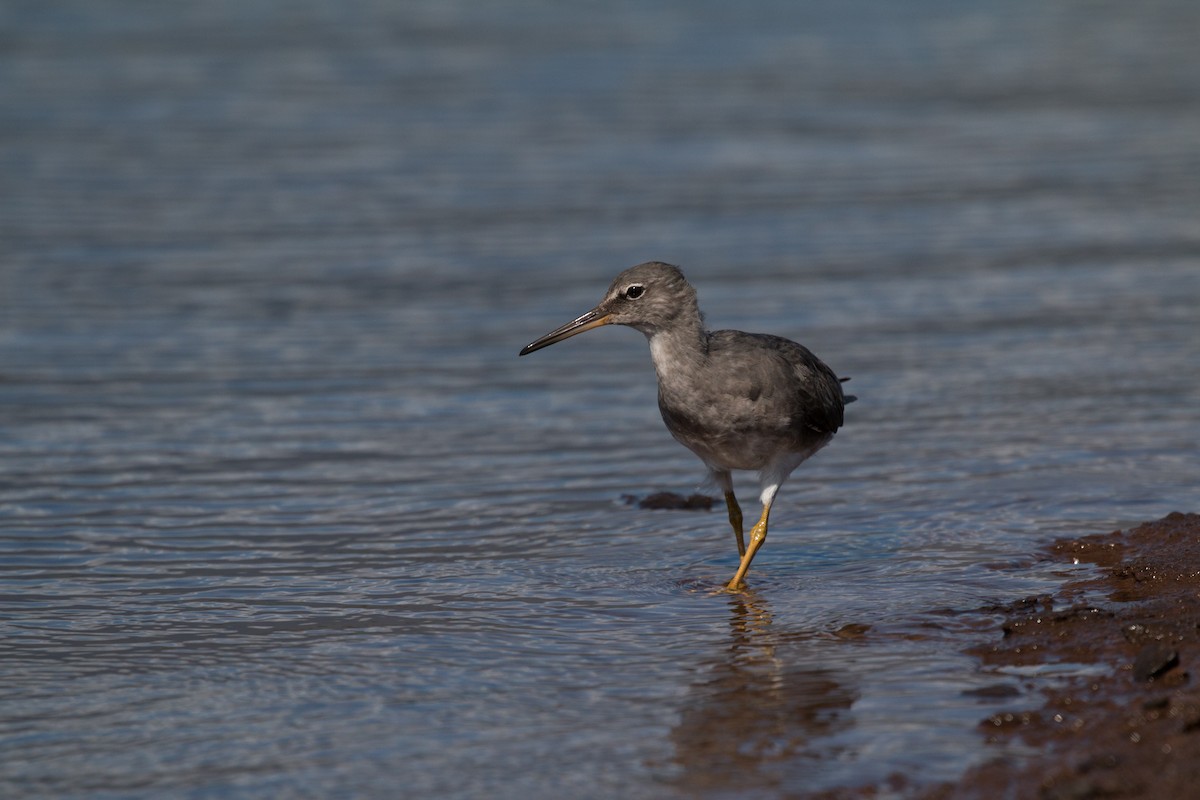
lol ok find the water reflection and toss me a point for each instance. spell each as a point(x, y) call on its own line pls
point(758, 712)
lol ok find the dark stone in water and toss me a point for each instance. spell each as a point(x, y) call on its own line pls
point(672, 501)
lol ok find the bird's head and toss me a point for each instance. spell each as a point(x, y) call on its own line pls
point(648, 297)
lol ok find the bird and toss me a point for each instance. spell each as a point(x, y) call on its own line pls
point(739, 401)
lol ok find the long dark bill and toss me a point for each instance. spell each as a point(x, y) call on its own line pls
point(592, 319)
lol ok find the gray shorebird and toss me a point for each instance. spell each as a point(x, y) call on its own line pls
point(737, 400)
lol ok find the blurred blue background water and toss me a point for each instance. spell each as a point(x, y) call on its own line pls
point(282, 514)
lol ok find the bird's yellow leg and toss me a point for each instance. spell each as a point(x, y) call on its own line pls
point(758, 535)
point(735, 519)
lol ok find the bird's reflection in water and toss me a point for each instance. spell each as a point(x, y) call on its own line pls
point(752, 718)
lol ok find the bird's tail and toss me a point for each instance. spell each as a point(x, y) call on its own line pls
point(847, 398)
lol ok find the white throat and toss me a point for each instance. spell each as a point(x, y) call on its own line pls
point(674, 354)
point(659, 354)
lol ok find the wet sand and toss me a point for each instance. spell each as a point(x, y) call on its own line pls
point(1126, 722)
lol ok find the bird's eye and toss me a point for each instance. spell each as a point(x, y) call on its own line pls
point(635, 291)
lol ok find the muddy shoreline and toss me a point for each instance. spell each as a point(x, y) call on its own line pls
point(1124, 721)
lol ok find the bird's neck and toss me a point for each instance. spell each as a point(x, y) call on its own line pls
point(679, 351)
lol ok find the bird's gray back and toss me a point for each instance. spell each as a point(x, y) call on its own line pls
point(755, 394)
point(787, 374)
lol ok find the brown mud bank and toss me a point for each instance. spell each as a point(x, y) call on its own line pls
point(1124, 721)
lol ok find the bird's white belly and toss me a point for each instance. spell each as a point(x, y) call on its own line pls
point(750, 451)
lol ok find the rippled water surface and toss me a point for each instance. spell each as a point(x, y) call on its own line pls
point(282, 514)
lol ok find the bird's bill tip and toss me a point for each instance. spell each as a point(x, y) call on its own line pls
point(592, 319)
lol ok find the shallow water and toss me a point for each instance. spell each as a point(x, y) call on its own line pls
point(282, 514)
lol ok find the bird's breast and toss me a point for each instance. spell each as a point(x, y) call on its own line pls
point(734, 434)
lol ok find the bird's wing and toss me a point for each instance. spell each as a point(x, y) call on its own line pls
point(789, 377)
